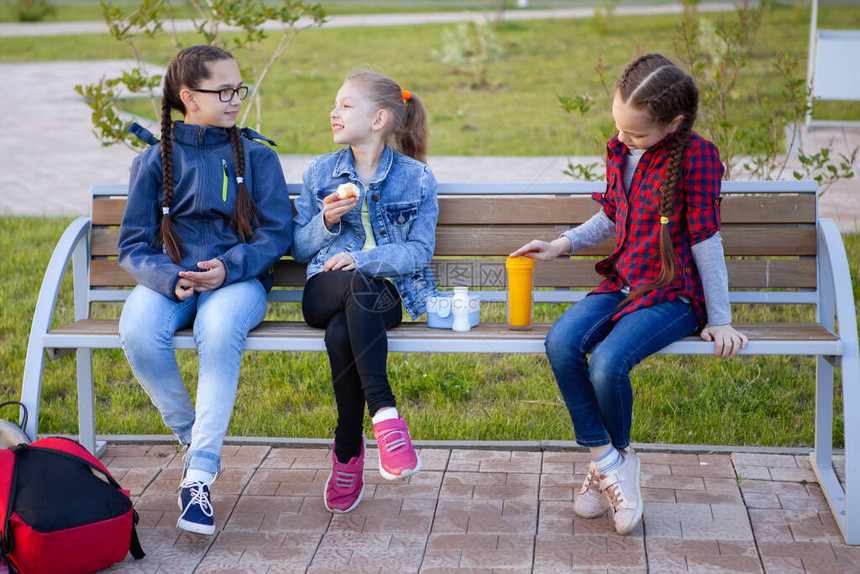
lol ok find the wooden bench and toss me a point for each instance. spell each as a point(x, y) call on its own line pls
point(778, 252)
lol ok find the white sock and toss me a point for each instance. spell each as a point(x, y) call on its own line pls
point(197, 475)
point(609, 461)
point(384, 414)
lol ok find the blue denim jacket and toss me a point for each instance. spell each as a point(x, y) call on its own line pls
point(203, 199)
point(401, 201)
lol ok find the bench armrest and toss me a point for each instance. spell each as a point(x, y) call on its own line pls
point(837, 294)
point(73, 242)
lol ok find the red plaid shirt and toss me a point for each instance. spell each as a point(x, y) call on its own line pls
point(696, 217)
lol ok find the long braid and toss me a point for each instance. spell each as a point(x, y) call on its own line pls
point(668, 260)
point(245, 216)
point(168, 235)
point(654, 83)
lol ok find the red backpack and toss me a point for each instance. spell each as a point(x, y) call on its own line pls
point(62, 510)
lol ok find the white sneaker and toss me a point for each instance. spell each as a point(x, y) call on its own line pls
point(591, 501)
point(621, 485)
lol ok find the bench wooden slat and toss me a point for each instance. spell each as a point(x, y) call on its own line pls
point(772, 274)
point(108, 273)
point(104, 241)
point(466, 210)
point(737, 240)
point(108, 211)
point(791, 209)
point(489, 273)
point(419, 329)
point(501, 240)
point(564, 211)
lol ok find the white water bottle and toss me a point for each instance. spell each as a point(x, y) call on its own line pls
point(460, 309)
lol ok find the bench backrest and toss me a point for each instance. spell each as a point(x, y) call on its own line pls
point(769, 237)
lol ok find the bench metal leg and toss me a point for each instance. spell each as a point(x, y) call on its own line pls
point(844, 502)
point(851, 406)
point(823, 454)
point(821, 458)
point(86, 400)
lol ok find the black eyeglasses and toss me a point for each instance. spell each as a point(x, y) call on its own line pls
point(226, 94)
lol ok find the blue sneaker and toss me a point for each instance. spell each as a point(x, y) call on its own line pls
point(197, 512)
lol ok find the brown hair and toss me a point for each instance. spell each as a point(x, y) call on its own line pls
point(408, 117)
point(652, 82)
point(188, 69)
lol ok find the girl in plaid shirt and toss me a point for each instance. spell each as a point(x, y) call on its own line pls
point(665, 279)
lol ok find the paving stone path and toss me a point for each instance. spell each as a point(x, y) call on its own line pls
point(486, 511)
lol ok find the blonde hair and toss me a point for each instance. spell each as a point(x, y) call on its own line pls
point(408, 127)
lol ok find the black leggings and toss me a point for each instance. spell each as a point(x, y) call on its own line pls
point(355, 312)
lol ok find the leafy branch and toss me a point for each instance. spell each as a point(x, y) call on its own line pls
point(246, 20)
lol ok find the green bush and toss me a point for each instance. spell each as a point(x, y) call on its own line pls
point(33, 10)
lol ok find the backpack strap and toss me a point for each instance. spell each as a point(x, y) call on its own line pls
point(134, 547)
point(23, 419)
point(255, 135)
point(142, 134)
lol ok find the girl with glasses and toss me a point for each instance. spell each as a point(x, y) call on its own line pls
point(208, 215)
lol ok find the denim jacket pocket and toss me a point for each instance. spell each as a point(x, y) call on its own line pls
point(402, 214)
point(399, 218)
point(321, 194)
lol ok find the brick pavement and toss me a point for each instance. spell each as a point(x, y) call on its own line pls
point(485, 511)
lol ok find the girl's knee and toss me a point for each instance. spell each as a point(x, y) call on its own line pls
point(561, 344)
point(142, 335)
point(337, 334)
point(606, 366)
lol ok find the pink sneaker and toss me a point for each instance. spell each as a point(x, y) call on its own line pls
point(345, 484)
point(397, 457)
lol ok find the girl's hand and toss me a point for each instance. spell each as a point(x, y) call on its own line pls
point(543, 251)
point(342, 261)
point(184, 289)
point(334, 209)
point(206, 280)
point(727, 340)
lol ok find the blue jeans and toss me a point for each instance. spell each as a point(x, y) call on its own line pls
point(598, 394)
point(221, 320)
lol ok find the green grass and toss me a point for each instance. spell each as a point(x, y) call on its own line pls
point(518, 115)
point(752, 400)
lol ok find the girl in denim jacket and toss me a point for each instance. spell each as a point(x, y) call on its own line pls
point(208, 215)
point(665, 279)
point(365, 256)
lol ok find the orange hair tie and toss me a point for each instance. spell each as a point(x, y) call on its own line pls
point(407, 95)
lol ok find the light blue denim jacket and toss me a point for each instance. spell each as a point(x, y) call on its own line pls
point(401, 201)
